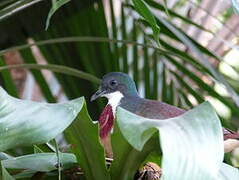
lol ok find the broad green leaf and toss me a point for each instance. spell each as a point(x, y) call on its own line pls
point(56, 4)
point(24, 174)
point(33, 122)
point(84, 138)
point(193, 135)
point(4, 173)
point(228, 172)
point(43, 162)
point(235, 4)
point(127, 160)
point(4, 156)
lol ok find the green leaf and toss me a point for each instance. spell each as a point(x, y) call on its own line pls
point(184, 99)
point(185, 85)
point(25, 174)
point(73, 39)
point(35, 123)
point(8, 82)
point(135, 55)
point(202, 84)
point(201, 57)
point(177, 34)
point(56, 4)
point(37, 149)
point(16, 7)
point(59, 159)
point(5, 175)
point(184, 56)
point(55, 68)
point(166, 7)
point(144, 11)
point(4, 156)
point(146, 69)
point(127, 160)
point(235, 4)
point(41, 148)
point(142, 8)
point(228, 172)
point(83, 135)
point(193, 135)
point(155, 75)
point(6, 2)
point(43, 162)
point(173, 13)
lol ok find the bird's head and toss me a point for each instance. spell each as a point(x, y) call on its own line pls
point(115, 85)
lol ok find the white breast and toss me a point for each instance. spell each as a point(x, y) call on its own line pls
point(114, 99)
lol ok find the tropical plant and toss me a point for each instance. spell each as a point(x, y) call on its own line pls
point(160, 56)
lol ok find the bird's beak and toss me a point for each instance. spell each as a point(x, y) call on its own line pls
point(97, 94)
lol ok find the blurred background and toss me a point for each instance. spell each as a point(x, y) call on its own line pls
point(198, 57)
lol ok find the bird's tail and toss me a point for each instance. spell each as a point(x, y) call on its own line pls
point(229, 134)
point(231, 140)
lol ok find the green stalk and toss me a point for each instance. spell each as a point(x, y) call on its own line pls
point(55, 68)
point(58, 159)
point(146, 71)
point(135, 56)
point(155, 75)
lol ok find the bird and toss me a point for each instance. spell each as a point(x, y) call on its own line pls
point(120, 90)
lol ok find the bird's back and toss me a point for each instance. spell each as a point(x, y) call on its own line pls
point(150, 108)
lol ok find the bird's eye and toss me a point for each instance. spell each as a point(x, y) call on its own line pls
point(113, 83)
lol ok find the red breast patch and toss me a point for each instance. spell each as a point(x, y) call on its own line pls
point(106, 121)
